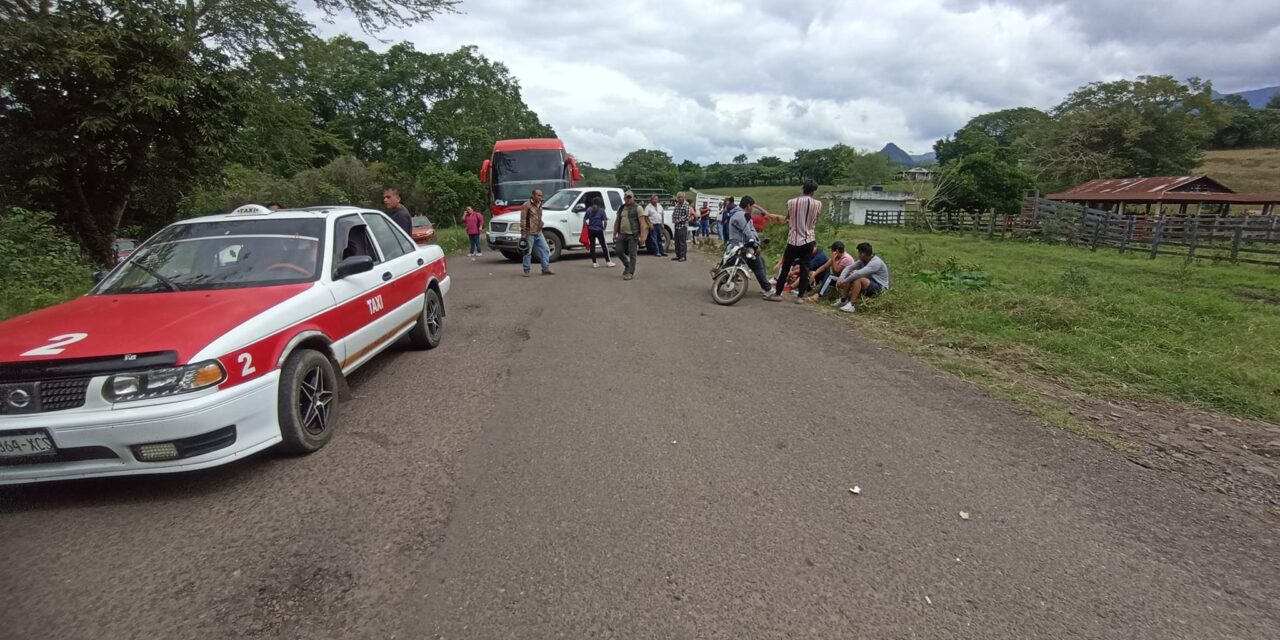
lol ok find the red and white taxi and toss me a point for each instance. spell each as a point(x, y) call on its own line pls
point(219, 337)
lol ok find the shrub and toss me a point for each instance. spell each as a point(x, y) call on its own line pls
point(41, 265)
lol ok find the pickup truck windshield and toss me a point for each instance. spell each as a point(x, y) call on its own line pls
point(517, 173)
point(222, 255)
point(561, 201)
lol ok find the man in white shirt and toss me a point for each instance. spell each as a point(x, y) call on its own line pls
point(656, 219)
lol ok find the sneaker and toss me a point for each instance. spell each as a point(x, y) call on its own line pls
point(595, 266)
point(683, 260)
point(840, 303)
point(772, 298)
point(672, 258)
point(526, 274)
point(848, 308)
point(471, 255)
point(548, 272)
point(610, 264)
point(799, 300)
point(766, 294)
point(626, 276)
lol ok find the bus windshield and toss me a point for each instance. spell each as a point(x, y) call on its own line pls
point(517, 173)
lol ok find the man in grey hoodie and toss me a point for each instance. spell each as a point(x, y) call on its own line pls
point(865, 278)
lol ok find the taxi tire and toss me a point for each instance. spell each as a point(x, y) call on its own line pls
point(421, 336)
point(299, 373)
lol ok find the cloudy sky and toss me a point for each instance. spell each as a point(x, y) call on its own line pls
point(709, 79)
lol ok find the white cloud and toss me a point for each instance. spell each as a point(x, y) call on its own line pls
point(710, 79)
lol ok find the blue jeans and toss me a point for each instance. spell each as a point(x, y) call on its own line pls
point(539, 244)
point(475, 242)
point(655, 242)
point(704, 227)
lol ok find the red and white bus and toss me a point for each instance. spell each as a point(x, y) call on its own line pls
point(517, 167)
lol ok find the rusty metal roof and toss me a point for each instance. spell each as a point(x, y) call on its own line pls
point(1174, 189)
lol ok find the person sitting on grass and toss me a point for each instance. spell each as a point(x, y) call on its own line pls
point(830, 271)
point(865, 278)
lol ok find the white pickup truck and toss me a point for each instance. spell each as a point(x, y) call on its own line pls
point(562, 216)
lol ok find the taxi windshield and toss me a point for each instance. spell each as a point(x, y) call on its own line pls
point(222, 255)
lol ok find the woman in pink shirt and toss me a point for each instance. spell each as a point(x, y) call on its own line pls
point(475, 222)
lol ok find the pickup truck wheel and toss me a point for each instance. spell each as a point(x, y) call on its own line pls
point(555, 243)
point(513, 256)
point(307, 402)
point(667, 244)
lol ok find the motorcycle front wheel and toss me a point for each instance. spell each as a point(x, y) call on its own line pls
point(729, 287)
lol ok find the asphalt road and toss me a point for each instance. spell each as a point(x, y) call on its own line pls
point(586, 457)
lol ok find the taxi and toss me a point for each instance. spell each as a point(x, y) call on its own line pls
point(219, 337)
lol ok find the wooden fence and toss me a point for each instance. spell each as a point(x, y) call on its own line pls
point(1253, 239)
point(886, 218)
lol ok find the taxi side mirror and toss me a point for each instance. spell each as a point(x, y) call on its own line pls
point(353, 265)
point(579, 208)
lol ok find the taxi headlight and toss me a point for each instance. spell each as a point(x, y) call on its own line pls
point(168, 381)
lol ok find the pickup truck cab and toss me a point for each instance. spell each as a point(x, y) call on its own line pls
point(562, 218)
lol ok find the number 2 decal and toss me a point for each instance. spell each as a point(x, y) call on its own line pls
point(56, 345)
point(246, 360)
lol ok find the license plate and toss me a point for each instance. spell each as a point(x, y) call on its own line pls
point(22, 445)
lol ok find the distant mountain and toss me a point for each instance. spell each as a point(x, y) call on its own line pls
point(897, 156)
point(1257, 98)
point(926, 159)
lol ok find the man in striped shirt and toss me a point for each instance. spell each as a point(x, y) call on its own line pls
point(802, 217)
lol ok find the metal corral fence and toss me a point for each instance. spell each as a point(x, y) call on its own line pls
point(1253, 239)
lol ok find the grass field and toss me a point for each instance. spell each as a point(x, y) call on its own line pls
point(1110, 325)
point(1245, 170)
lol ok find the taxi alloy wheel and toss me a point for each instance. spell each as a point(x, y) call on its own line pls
point(429, 330)
point(308, 402)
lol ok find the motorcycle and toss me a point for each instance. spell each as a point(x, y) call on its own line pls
point(729, 278)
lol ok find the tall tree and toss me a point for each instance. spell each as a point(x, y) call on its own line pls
point(1151, 126)
point(649, 169)
point(96, 95)
point(996, 130)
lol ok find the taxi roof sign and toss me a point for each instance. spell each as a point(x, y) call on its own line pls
point(251, 210)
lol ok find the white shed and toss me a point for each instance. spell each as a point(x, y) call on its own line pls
point(885, 207)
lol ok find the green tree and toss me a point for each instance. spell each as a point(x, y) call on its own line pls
point(979, 182)
point(649, 169)
point(1248, 128)
point(1151, 126)
point(741, 158)
point(770, 161)
point(593, 176)
point(1274, 102)
point(691, 175)
point(997, 130)
point(864, 169)
point(96, 95)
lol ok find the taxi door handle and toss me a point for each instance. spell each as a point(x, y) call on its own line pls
point(386, 276)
